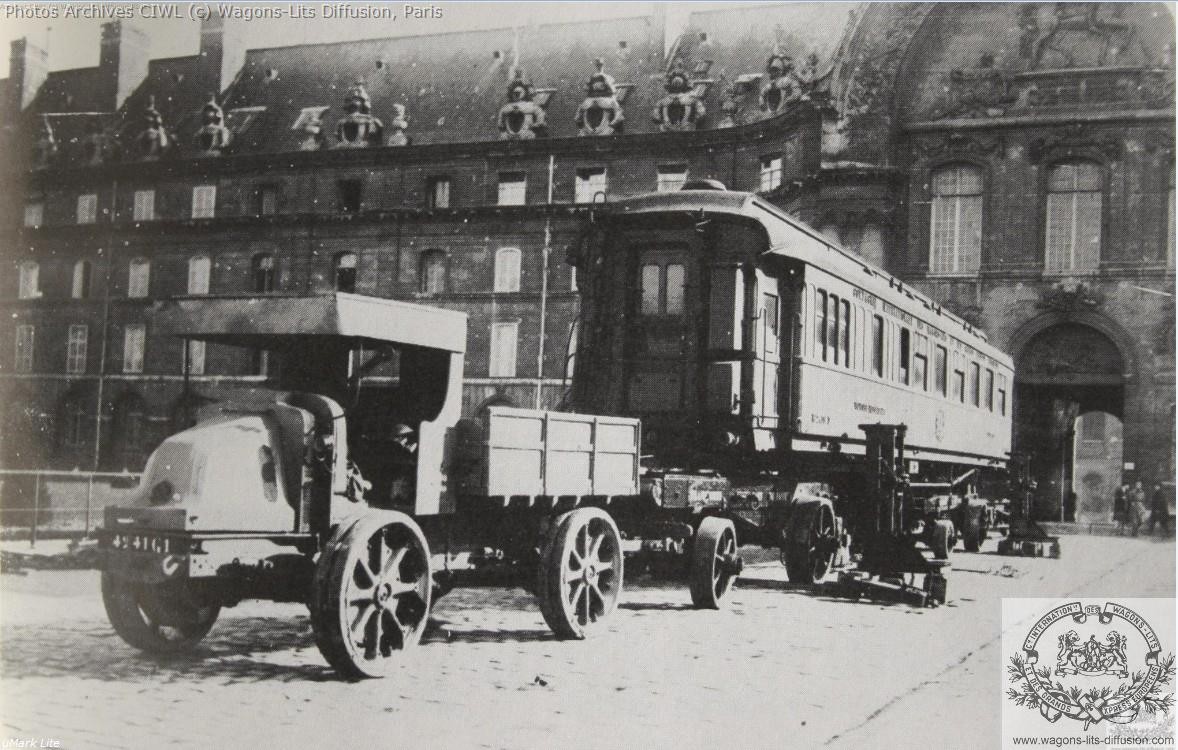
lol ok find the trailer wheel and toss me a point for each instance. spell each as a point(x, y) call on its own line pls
point(580, 576)
point(974, 533)
point(942, 539)
point(714, 563)
point(157, 618)
point(810, 550)
point(371, 597)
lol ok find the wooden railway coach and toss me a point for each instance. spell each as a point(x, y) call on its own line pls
point(753, 350)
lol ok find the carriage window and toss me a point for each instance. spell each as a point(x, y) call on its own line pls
point(832, 328)
point(958, 385)
point(1002, 395)
point(920, 363)
point(942, 371)
point(845, 333)
point(820, 324)
point(988, 389)
point(650, 290)
point(905, 354)
point(877, 336)
point(975, 384)
point(674, 289)
point(770, 313)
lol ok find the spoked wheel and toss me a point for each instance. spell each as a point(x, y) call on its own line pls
point(810, 553)
point(164, 618)
point(372, 594)
point(942, 539)
point(714, 563)
point(580, 577)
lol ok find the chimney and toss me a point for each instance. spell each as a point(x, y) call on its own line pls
point(28, 66)
point(122, 61)
point(221, 53)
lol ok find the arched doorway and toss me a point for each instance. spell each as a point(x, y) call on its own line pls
point(1066, 374)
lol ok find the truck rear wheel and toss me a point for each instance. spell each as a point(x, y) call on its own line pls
point(974, 533)
point(714, 563)
point(580, 576)
point(372, 593)
point(942, 539)
point(159, 618)
point(811, 546)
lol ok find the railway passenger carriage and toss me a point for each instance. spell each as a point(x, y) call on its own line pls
point(753, 350)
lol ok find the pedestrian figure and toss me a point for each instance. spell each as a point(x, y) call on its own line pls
point(1159, 510)
point(1120, 497)
point(1135, 508)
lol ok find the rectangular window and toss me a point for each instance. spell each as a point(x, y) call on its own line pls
point(34, 214)
point(1074, 202)
point(87, 208)
point(920, 363)
point(350, 196)
point(845, 333)
point(194, 352)
point(651, 274)
point(25, 341)
point(138, 279)
point(975, 384)
point(671, 177)
point(832, 328)
point(30, 280)
point(204, 201)
point(769, 312)
point(75, 354)
point(513, 189)
point(820, 324)
point(590, 183)
point(199, 268)
point(770, 172)
point(942, 371)
point(260, 362)
point(905, 354)
point(437, 192)
point(675, 286)
point(134, 343)
point(958, 384)
point(266, 200)
point(1002, 395)
point(507, 270)
point(144, 205)
point(504, 338)
point(877, 346)
point(956, 235)
point(988, 389)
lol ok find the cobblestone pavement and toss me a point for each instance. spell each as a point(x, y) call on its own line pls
point(781, 668)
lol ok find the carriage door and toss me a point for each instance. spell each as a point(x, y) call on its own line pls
point(663, 348)
point(767, 358)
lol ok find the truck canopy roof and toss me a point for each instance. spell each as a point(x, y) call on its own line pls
point(278, 322)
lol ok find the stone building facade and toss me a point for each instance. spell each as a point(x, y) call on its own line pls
point(1014, 161)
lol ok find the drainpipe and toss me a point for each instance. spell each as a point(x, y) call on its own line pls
point(110, 261)
point(544, 285)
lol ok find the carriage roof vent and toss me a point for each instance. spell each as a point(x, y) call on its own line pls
point(703, 185)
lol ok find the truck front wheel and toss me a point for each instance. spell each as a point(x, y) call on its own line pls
point(162, 618)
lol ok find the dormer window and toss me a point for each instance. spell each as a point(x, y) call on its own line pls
point(87, 208)
point(437, 192)
point(350, 194)
point(771, 172)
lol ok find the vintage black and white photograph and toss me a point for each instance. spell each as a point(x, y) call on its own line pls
point(587, 374)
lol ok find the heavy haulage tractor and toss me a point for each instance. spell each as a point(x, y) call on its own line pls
point(294, 492)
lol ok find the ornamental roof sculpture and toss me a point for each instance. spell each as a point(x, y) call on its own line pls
point(213, 136)
point(730, 108)
point(358, 128)
point(682, 109)
point(97, 146)
point(521, 118)
point(398, 125)
point(781, 88)
point(153, 141)
point(601, 112)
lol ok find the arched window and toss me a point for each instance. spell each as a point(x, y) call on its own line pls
point(199, 269)
point(432, 274)
point(345, 272)
point(30, 280)
point(1074, 201)
point(507, 270)
point(81, 285)
point(139, 278)
point(956, 227)
point(263, 273)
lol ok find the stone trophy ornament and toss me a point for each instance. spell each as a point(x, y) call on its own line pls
point(153, 141)
point(521, 118)
point(97, 146)
point(358, 128)
point(600, 113)
point(397, 127)
point(730, 109)
point(681, 109)
point(213, 136)
point(781, 88)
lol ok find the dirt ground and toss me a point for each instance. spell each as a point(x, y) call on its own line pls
point(782, 667)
